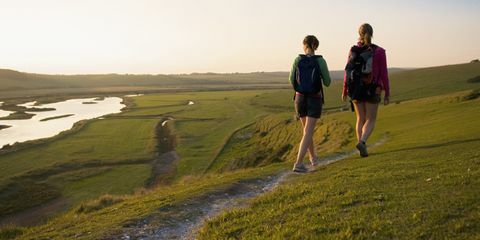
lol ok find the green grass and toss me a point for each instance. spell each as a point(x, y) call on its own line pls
point(422, 183)
point(405, 85)
point(98, 223)
point(121, 139)
point(107, 141)
point(416, 185)
point(433, 81)
point(112, 182)
point(111, 142)
point(208, 125)
point(228, 130)
point(273, 139)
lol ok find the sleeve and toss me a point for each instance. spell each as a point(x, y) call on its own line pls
point(293, 71)
point(384, 74)
point(345, 92)
point(325, 73)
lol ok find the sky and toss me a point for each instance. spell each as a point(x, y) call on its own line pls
point(185, 36)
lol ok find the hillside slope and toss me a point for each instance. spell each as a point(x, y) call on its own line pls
point(423, 182)
point(443, 124)
point(417, 83)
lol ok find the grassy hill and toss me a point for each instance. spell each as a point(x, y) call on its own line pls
point(230, 130)
point(405, 85)
point(423, 182)
point(14, 84)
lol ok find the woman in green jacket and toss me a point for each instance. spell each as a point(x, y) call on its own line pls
point(308, 101)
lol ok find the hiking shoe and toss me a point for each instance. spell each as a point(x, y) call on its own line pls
point(300, 168)
point(314, 162)
point(362, 147)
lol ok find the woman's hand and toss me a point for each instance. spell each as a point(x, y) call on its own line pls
point(386, 100)
point(344, 97)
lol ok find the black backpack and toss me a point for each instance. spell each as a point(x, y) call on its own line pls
point(308, 76)
point(360, 83)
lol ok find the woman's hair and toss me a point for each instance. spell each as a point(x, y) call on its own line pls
point(311, 42)
point(366, 33)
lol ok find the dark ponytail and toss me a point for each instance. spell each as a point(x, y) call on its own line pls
point(311, 42)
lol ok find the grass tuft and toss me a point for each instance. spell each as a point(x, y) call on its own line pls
point(10, 232)
point(100, 203)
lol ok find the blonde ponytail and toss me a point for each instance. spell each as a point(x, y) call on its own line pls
point(366, 33)
point(367, 39)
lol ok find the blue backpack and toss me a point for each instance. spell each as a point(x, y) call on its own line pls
point(308, 76)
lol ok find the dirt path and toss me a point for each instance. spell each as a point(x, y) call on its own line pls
point(183, 222)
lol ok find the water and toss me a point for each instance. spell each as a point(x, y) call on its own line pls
point(134, 95)
point(4, 113)
point(31, 129)
point(164, 123)
point(27, 104)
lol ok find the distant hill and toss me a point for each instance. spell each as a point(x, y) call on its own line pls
point(11, 80)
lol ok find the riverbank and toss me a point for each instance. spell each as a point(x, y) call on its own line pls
point(48, 120)
point(47, 193)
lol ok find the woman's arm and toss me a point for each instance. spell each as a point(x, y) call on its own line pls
point(384, 74)
point(325, 73)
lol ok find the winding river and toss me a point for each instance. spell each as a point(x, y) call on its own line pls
point(50, 123)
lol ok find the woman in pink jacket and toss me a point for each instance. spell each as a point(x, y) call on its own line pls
point(367, 62)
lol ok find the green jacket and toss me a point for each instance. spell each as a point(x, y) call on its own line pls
point(323, 68)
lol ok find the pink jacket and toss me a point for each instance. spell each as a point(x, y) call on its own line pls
point(379, 69)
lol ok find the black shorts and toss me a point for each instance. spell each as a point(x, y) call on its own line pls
point(308, 106)
point(376, 99)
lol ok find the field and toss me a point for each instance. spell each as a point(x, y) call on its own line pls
point(87, 162)
point(421, 183)
point(428, 163)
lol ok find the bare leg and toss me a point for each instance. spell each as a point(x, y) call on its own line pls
point(371, 118)
point(307, 138)
point(311, 148)
point(360, 111)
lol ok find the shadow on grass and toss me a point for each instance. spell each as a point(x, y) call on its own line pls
point(429, 146)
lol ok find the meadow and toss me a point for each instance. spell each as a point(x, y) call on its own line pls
point(421, 183)
point(86, 162)
point(231, 136)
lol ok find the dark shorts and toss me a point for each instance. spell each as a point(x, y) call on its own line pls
point(308, 106)
point(376, 99)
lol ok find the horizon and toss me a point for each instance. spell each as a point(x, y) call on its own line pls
point(159, 37)
point(198, 73)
